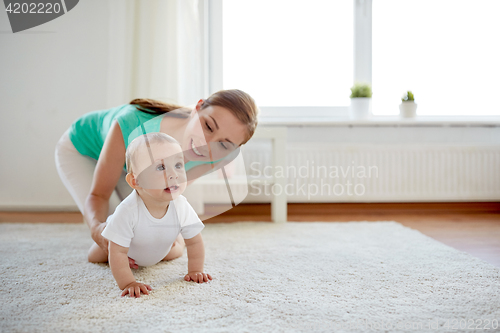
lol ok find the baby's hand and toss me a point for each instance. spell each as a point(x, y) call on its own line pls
point(199, 277)
point(135, 288)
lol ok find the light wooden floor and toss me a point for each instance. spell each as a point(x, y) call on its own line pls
point(469, 227)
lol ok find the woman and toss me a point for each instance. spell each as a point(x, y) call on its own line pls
point(90, 156)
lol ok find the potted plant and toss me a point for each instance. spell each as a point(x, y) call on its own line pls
point(361, 98)
point(408, 108)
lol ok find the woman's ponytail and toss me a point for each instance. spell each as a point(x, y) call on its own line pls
point(152, 106)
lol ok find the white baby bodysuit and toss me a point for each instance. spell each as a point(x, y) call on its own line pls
point(149, 239)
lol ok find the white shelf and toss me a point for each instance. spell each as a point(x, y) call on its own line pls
point(278, 136)
point(419, 121)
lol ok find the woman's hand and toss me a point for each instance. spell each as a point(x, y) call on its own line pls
point(199, 277)
point(98, 238)
point(135, 288)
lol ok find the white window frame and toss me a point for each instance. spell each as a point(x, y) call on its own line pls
point(362, 58)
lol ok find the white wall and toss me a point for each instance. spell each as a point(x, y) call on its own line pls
point(49, 76)
point(52, 74)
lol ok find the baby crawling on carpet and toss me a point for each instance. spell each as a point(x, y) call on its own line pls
point(149, 222)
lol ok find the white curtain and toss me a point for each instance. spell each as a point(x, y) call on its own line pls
point(156, 50)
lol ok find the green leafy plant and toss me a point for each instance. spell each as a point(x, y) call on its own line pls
point(408, 97)
point(361, 89)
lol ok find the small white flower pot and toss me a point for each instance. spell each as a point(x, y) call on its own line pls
point(408, 109)
point(361, 108)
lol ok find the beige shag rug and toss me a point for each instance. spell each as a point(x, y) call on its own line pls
point(293, 277)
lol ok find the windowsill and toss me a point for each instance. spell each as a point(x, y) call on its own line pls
point(391, 121)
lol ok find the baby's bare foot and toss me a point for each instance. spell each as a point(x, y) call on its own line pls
point(175, 251)
point(132, 263)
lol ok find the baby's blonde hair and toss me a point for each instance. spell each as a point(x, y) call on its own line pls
point(154, 137)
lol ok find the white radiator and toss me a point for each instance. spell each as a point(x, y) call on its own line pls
point(372, 173)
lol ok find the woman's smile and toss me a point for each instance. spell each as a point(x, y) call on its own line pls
point(196, 151)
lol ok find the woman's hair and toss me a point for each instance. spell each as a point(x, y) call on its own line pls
point(145, 140)
point(239, 103)
point(152, 106)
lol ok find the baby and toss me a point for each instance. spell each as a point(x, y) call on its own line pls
point(146, 224)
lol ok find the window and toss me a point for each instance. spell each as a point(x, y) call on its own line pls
point(300, 58)
point(446, 52)
point(289, 53)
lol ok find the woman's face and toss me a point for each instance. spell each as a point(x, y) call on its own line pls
point(212, 133)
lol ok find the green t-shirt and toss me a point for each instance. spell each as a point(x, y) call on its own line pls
point(89, 132)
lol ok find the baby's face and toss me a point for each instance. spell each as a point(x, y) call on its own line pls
point(165, 178)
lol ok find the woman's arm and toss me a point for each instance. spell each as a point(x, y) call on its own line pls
point(106, 175)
